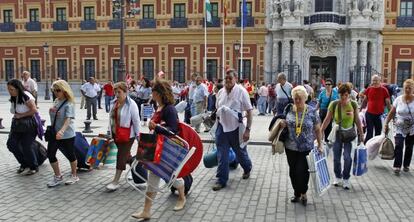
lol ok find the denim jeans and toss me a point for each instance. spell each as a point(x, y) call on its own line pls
point(20, 144)
point(280, 105)
point(338, 148)
point(225, 141)
point(372, 121)
point(108, 100)
point(399, 146)
point(261, 104)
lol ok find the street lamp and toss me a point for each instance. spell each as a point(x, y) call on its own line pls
point(119, 10)
point(46, 50)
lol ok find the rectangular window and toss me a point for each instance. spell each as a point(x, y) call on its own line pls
point(148, 68)
point(403, 72)
point(89, 69)
point(179, 10)
point(7, 16)
point(179, 70)
point(62, 68)
point(323, 5)
point(60, 14)
point(406, 8)
point(247, 69)
point(148, 11)
point(214, 9)
point(89, 13)
point(115, 68)
point(212, 69)
point(249, 9)
point(34, 15)
point(9, 68)
point(35, 69)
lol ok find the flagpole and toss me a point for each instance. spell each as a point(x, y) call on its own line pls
point(241, 40)
point(205, 41)
point(223, 62)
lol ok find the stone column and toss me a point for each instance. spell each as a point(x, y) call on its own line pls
point(364, 52)
point(374, 54)
point(285, 51)
point(268, 62)
point(354, 53)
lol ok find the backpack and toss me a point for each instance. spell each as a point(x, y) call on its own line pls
point(386, 151)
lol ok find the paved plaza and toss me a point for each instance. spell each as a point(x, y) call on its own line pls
point(377, 196)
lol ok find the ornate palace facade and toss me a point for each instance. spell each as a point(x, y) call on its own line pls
point(83, 39)
point(317, 39)
point(398, 56)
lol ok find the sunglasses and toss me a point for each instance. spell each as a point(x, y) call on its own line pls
point(328, 84)
point(57, 90)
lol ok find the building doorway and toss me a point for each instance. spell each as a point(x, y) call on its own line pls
point(322, 68)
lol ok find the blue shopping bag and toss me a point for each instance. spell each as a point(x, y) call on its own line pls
point(360, 166)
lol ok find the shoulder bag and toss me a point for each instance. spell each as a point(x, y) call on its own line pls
point(289, 98)
point(346, 135)
point(24, 124)
point(50, 133)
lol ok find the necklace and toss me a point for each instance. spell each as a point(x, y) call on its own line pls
point(297, 124)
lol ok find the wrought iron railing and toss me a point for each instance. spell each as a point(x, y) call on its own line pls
point(179, 23)
point(60, 26)
point(147, 23)
point(325, 17)
point(88, 25)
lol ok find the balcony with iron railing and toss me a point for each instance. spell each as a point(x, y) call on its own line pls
point(115, 24)
point(179, 23)
point(88, 25)
point(60, 26)
point(33, 26)
point(215, 22)
point(405, 22)
point(249, 21)
point(7, 27)
point(325, 17)
point(147, 23)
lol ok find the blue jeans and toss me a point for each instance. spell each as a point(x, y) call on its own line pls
point(337, 151)
point(261, 104)
point(280, 105)
point(108, 100)
point(399, 146)
point(20, 144)
point(225, 141)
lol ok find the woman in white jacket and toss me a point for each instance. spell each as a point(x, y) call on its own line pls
point(124, 127)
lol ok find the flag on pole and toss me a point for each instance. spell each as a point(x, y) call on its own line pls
point(128, 78)
point(208, 11)
point(245, 13)
point(226, 6)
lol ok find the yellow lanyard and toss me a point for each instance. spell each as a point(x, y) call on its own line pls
point(300, 125)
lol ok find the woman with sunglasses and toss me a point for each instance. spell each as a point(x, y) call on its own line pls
point(62, 115)
point(327, 95)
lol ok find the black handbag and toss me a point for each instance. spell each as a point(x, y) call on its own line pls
point(50, 133)
point(346, 135)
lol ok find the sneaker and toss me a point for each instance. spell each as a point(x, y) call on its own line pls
point(397, 171)
point(246, 176)
point(72, 180)
point(346, 185)
point(406, 169)
point(112, 186)
point(31, 172)
point(218, 187)
point(56, 181)
point(337, 182)
point(21, 170)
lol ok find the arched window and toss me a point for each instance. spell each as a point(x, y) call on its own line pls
point(323, 5)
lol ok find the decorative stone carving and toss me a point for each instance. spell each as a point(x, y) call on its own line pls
point(286, 8)
point(353, 8)
point(298, 8)
point(275, 9)
point(323, 46)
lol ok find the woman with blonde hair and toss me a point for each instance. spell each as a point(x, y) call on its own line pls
point(124, 127)
point(62, 115)
point(303, 126)
point(402, 113)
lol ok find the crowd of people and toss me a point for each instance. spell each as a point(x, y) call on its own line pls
point(330, 115)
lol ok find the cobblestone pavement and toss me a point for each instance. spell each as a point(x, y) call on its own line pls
point(377, 196)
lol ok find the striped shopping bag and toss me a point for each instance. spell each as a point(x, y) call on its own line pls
point(319, 172)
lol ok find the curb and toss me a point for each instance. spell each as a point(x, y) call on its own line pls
point(254, 143)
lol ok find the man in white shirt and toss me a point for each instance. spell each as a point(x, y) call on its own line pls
point(90, 91)
point(200, 95)
point(190, 109)
point(29, 84)
point(232, 99)
point(261, 103)
point(283, 93)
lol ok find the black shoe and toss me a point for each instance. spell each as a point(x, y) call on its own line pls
point(406, 169)
point(94, 118)
point(32, 171)
point(88, 118)
point(304, 200)
point(218, 187)
point(21, 169)
point(294, 199)
point(246, 176)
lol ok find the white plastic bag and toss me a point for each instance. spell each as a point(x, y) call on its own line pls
point(180, 107)
point(373, 145)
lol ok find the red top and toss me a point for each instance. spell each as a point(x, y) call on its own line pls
point(376, 99)
point(109, 89)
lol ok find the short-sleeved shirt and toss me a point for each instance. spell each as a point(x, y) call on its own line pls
point(272, 92)
point(109, 89)
point(191, 88)
point(347, 113)
point(305, 140)
point(144, 93)
point(404, 117)
point(30, 85)
point(200, 93)
point(237, 100)
point(288, 89)
point(22, 108)
point(263, 91)
point(376, 99)
point(324, 98)
point(90, 90)
point(66, 111)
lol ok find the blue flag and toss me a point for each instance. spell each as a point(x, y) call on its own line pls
point(245, 13)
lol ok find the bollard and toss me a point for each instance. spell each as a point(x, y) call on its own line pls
point(43, 122)
point(1, 125)
point(87, 127)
